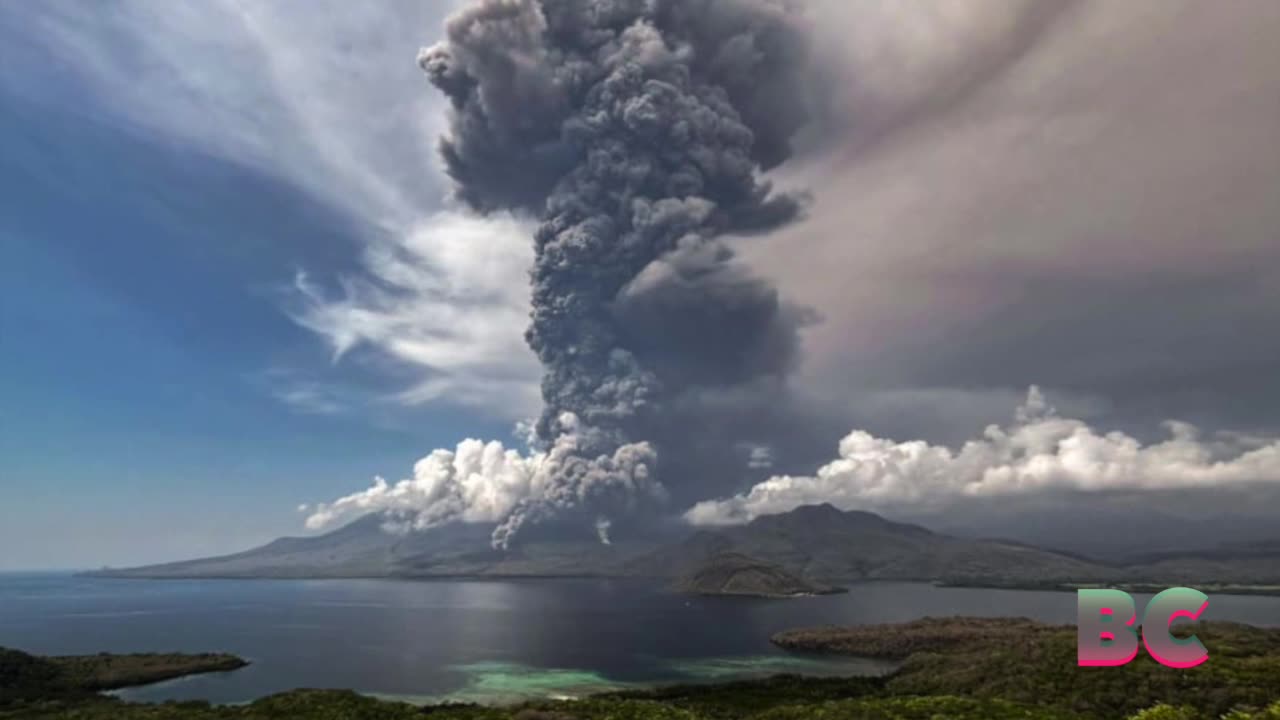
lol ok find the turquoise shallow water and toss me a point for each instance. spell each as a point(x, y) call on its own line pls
point(493, 683)
point(475, 641)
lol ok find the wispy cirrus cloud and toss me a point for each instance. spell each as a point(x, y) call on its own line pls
point(322, 98)
point(449, 300)
point(330, 100)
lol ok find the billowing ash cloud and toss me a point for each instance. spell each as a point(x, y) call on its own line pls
point(1039, 451)
point(637, 131)
point(487, 482)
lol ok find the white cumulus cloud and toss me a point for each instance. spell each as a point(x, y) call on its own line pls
point(1039, 451)
point(476, 482)
point(481, 482)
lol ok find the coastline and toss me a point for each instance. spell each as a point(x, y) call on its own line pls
point(958, 668)
point(1146, 588)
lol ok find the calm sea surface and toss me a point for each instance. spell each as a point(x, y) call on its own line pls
point(474, 640)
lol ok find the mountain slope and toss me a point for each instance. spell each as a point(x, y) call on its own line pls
point(735, 574)
point(816, 544)
point(364, 549)
point(820, 542)
point(360, 549)
point(1256, 563)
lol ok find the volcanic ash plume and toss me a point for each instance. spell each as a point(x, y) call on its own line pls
point(637, 131)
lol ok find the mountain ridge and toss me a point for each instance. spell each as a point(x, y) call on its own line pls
point(817, 544)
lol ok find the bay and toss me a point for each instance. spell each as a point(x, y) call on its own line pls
point(474, 640)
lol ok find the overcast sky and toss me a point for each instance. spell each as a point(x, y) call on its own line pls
point(1095, 214)
point(231, 280)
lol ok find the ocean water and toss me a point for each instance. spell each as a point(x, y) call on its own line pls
point(483, 641)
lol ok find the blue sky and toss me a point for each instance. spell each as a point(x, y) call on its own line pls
point(167, 389)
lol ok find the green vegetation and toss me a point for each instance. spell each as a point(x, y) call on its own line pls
point(932, 635)
point(1022, 661)
point(1244, 671)
point(111, 672)
point(25, 679)
point(957, 668)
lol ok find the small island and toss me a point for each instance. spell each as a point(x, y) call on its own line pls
point(736, 574)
